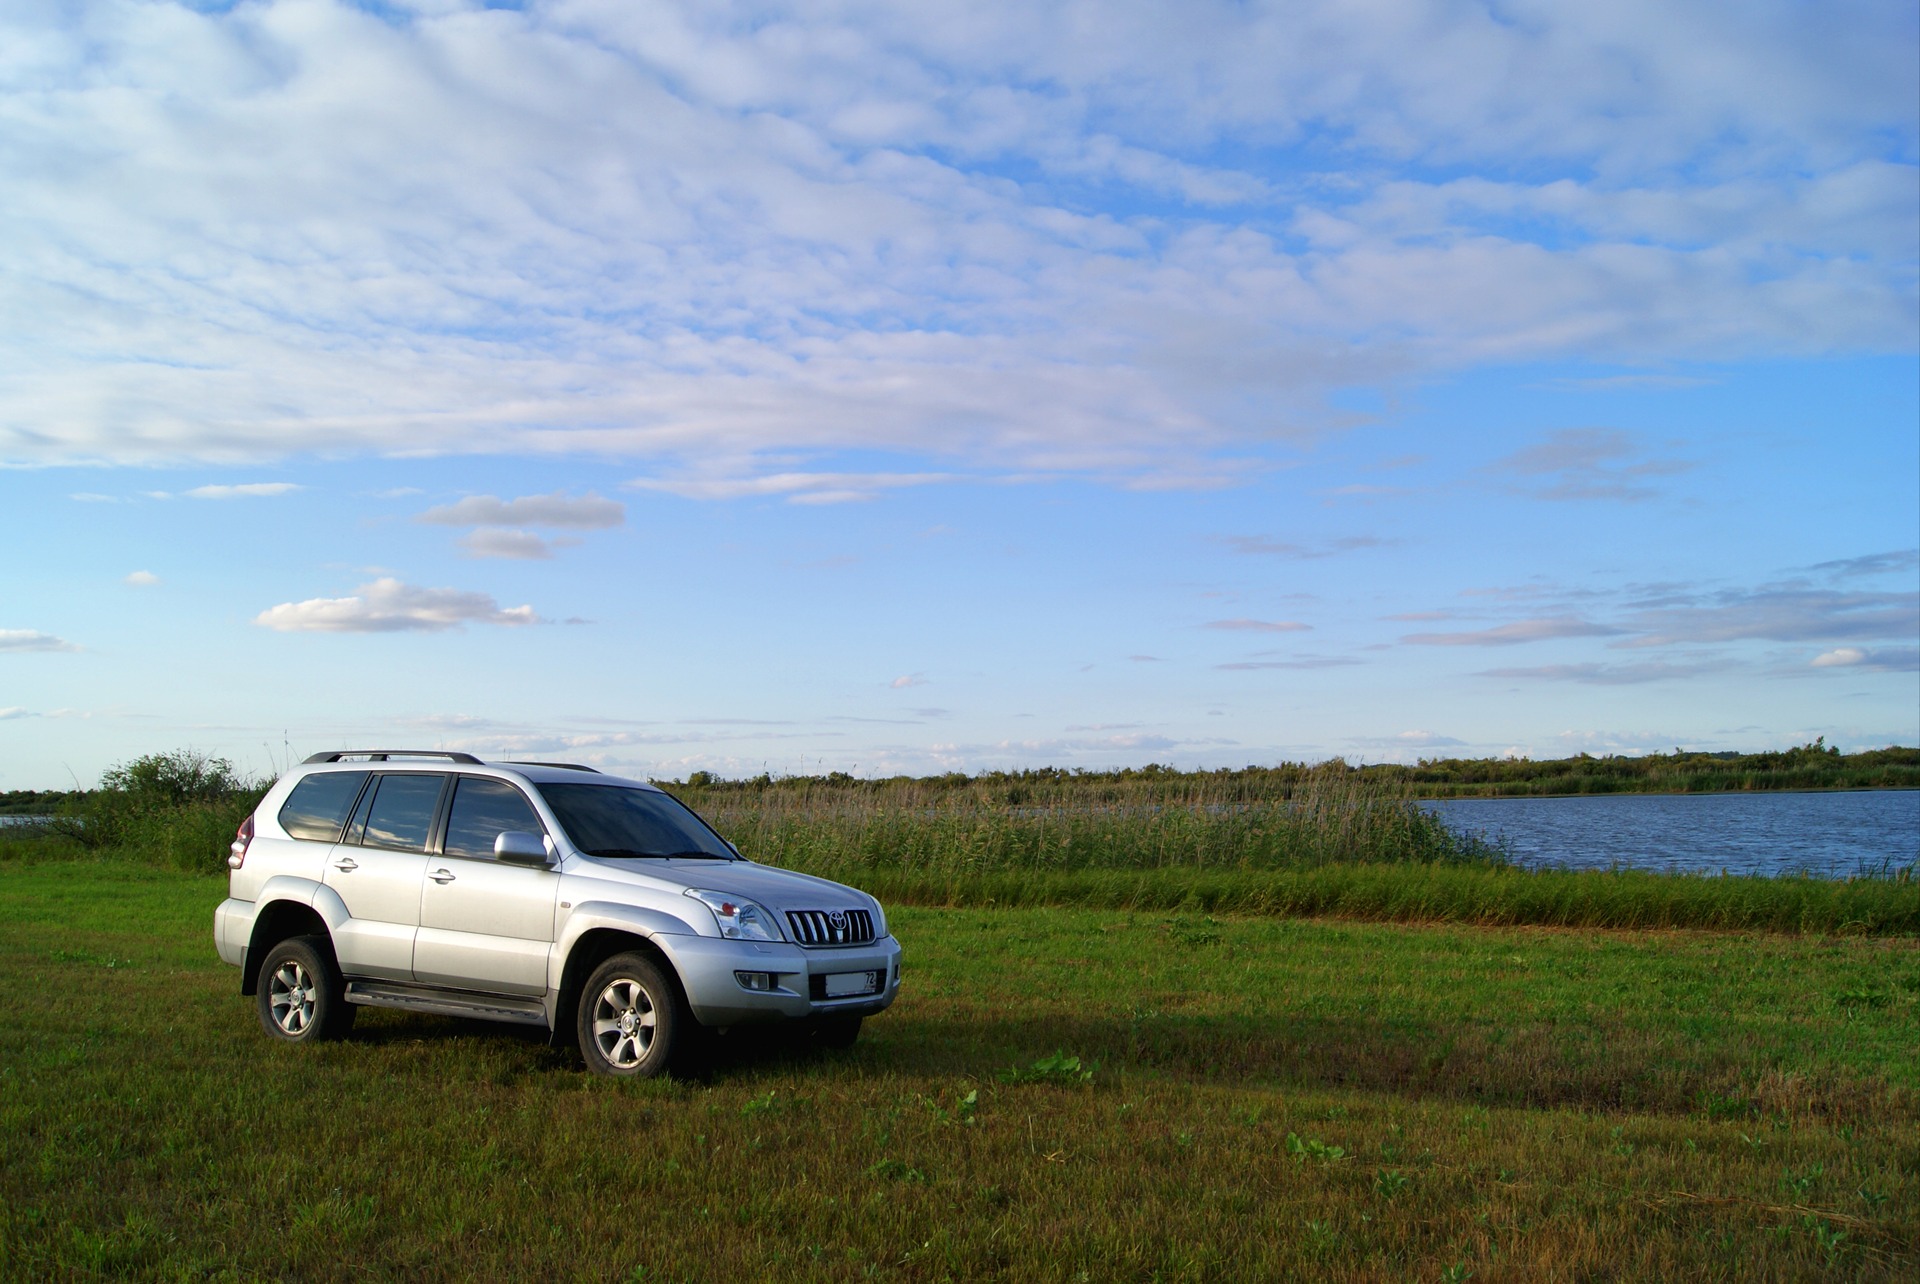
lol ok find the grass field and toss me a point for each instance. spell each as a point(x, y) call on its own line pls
point(1196, 1097)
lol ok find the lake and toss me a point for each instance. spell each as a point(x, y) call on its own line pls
point(1832, 834)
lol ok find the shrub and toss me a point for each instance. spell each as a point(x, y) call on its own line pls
point(177, 810)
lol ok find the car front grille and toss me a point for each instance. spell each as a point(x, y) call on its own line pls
point(831, 927)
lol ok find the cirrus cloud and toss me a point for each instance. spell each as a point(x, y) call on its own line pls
point(1258, 626)
point(244, 490)
point(1541, 630)
point(770, 234)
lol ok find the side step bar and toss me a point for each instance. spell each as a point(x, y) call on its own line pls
point(421, 998)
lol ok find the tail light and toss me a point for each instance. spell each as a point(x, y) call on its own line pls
point(242, 839)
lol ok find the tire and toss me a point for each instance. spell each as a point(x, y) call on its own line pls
point(837, 1032)
point(631, 1020)
point(300, 995)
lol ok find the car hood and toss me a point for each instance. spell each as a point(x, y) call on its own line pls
point(777, 889)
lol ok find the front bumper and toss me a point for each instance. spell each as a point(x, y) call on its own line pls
point(707, 967)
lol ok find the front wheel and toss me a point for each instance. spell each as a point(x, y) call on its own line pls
point(300, 995)
point(630, 1019)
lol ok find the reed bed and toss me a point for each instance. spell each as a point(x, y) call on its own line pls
point(962, 827)
point(1333, 842)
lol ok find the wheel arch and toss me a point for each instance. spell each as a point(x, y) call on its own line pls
point(593, 948)
point(277, 921)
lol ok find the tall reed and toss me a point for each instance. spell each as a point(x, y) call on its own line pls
point(958, 825)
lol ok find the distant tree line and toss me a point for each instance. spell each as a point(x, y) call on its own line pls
point(1812, 766)
point(38, 802)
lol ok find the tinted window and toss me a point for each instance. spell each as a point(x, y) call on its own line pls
point(611, 820)
point(317, 807)
point(402, 813)
point(482, 811)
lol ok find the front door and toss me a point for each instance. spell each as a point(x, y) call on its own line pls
point(485, 924)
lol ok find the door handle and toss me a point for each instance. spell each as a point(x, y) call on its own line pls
point(441, 876)
point(346, 864)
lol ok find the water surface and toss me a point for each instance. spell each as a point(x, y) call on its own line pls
point(1832, 834)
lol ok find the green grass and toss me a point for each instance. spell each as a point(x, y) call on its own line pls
point(1060, 1094)
point(1487, 896)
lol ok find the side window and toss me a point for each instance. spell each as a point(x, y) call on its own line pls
point(401, 817)
point(483, 810)
point(318, 806)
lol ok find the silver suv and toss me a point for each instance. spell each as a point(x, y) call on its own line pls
point(541, 894)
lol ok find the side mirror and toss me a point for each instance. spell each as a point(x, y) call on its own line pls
point(519, 847)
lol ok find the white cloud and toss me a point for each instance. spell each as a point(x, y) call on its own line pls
point(491, 541)
point(389, 606)
point(32, 640)
point(1840, 657)
point(907, 680)
point(585, 512)
point(767, 237)
point(246, 490)
point(1857, 659)
point(1407, 740)
point(13, 712)
point(141, 579)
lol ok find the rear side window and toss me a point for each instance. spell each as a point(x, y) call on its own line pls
point(482, 811)
point(317, 808)
point(401, 817)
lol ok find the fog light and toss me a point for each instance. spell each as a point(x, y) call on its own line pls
point(754, 980)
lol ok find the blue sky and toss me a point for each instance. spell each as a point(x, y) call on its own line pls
point(849, 386)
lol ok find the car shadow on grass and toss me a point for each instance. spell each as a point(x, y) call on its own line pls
point(1598, 1065)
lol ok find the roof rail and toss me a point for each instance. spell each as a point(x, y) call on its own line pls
point(382, 755)
point(564, 766)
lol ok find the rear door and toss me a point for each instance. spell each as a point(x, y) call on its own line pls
point(377, 870)
point(485, 924)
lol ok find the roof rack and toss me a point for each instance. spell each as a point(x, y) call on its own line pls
point(564, 766)
point(382, 755)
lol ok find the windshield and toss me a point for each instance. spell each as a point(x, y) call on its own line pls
point(610, 820)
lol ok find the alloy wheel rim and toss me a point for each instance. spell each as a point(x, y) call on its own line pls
point(624, 1023)
point(291, 996)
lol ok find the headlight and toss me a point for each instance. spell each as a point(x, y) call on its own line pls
point(738, 920)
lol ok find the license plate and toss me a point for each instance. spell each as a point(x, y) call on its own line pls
point(842, 984)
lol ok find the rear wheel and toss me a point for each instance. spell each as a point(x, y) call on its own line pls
point(630, 1019)
point(300, 996)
